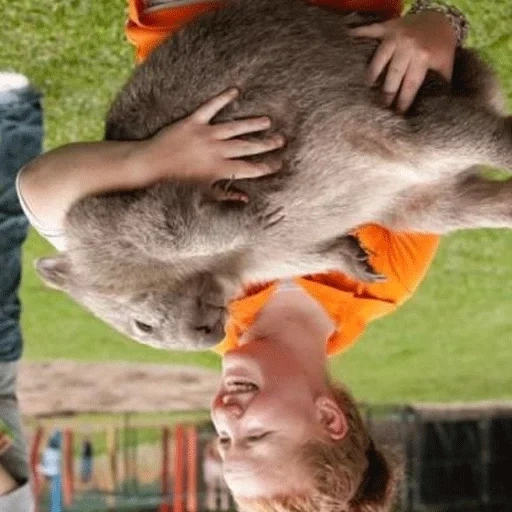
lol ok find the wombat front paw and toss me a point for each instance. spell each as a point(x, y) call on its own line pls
point(223, 191)
point(365, 272)
point(354, 259)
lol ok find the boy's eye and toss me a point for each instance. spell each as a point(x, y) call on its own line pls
point(259, 437)
point(223, 441)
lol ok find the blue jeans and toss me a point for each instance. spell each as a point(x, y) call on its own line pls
point(21, 134)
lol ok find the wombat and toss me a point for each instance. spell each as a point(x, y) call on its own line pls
point(160, 264)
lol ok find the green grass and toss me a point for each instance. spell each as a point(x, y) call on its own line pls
point(450, 342)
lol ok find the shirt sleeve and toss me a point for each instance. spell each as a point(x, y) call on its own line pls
point(20, 500)
point(149, 24)
point(54, 236)
point(151, 21)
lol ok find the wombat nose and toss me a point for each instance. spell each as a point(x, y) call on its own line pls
point(209, 335)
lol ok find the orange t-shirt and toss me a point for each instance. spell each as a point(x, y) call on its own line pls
point(146, 30)
point(403, 258)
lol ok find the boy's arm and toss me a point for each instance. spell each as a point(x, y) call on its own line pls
point(190, 149)
point(48, 185)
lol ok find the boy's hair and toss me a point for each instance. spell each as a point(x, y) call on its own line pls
point(349, 475)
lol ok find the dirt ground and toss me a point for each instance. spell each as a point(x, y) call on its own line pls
point(61, 387)
point(64, 387)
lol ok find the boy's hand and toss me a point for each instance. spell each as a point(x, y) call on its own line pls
point(195, 149)
point(7, 482)
point(411, 46)
point(5, 442)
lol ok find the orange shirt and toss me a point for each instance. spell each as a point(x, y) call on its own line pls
point(403, 257)
point(146, 30)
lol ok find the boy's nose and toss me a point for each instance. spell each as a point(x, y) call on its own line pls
point(232, 406)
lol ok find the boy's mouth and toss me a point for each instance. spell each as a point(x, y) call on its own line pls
point(237, 385)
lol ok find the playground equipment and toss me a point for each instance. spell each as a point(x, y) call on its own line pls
point(170, 472)
point(457, 459)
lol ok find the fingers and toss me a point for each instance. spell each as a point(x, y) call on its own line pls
point(207, 111)
point(446, 68)
point(374, 31)
point(231, 129)
point(238, 148)
point(239, 169)
point(395, 73)
point(382, 56)
point(414, 77)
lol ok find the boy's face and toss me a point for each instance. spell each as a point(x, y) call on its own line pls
point(264, 411)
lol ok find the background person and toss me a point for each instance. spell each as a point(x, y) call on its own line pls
point(20, 141)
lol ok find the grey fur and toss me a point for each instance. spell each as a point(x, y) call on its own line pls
point(170, 257)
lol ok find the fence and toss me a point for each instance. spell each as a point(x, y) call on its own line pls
point(456, 459)
point(126, 469)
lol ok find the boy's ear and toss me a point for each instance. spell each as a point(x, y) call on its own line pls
point(332, 418)
point(55, 271)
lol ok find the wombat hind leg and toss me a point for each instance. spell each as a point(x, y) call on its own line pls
point(460, 136)
point(472, 77)
point(466, 202)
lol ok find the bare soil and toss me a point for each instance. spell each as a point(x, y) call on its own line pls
point(67, 387)
point(62, 387)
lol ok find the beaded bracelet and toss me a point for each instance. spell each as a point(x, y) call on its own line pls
point(457, 18)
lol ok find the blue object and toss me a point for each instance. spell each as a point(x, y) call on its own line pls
point(55, 440)
point(21, 135)
point(51, 468)
point(56, 494)
point(86, 463)
point(51, 460)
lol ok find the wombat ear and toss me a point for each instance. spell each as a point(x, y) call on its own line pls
point(55, 271)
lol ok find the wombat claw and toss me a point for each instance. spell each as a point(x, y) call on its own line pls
point(226, 191)
point(272, 218)
point(356, 259)
point(354, 247)
point(368, 275)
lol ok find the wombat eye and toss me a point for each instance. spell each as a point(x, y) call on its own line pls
point(144, 328)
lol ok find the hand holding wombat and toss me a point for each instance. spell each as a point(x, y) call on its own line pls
point(160, 264)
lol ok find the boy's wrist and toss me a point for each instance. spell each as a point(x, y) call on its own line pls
point(456, 18)
point(139, 169)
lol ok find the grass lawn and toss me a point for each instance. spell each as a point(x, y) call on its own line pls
point(450, 342)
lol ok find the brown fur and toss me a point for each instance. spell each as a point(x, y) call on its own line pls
point(169, 257)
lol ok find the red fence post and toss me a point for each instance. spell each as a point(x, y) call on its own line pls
point(67, 468)
point(34, 462)
point(192, 472)
point(166, 477)
point(179, 469)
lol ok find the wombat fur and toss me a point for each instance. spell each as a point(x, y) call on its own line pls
point(160, 264)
